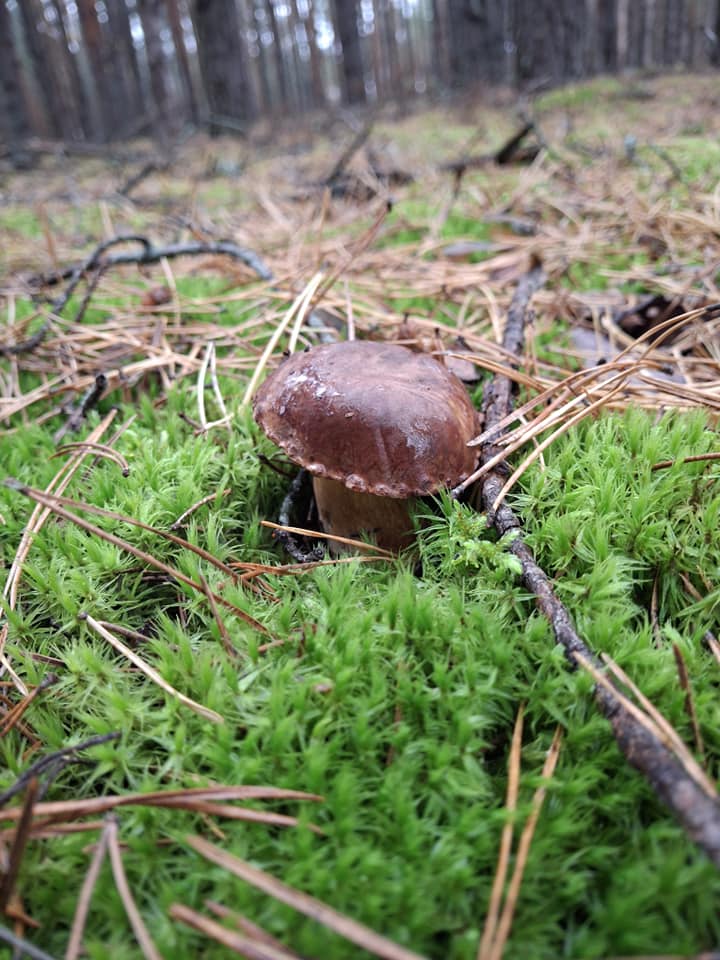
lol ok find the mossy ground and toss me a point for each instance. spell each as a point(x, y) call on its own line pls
point(393, 695)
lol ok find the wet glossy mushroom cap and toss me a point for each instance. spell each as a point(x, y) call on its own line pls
point(375, 416)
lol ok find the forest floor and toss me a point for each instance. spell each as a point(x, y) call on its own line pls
point(367, 734)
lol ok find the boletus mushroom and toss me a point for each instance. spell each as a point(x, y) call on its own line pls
point(376, 425)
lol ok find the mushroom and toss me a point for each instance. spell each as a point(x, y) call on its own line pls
point(376, 425)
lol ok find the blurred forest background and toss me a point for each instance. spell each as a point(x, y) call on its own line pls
point(95, 71)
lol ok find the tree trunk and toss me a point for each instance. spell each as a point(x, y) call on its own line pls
point(153, 24)
point(477, 41)
point(352, 68)
point(74, 91)
point(14, 121)
point(440, 43)
point(222, 58)
point(118, 27)
point(107, 120)
point(51, 103)
point(278, 59)
point(174, 16)
point(318, 86)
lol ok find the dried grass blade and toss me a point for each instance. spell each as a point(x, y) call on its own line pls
point(98, 449)
point(202, 374)
point(37, 518)
point(247, 926)
point(714, 645)
point(505, 923)
point(317, 534)
point(689, 700)
point(273, 342)
point(149, 950)
point(243, 945)
point(54, 505)
point(60, 810)
point(665, 464)
point(534, 454)
point(86, 891)
point(240, 813)
point(40, 514)
point(200, 503)
point(492, 917)
point(149, 671)
point(227, 643)
point(351, 930)
point(123, 518)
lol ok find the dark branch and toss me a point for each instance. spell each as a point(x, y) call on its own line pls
point(136, 179)
point(697, 812)
point(348, 153)
point(52, 764)
point(23, 947)
point(148, 253)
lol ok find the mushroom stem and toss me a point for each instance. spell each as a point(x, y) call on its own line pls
point(345, 513)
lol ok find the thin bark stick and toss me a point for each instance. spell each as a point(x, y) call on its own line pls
point(18, 848)
point(50, 761)
point(696, 811)
point(23, 947)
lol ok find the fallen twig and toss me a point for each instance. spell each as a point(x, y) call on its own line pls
point(23, 946)
point(136, 179)
point(148, 253)
point(7, 884)
point(53, 763)
point(696, 810)
point(78, 413)
point(348, 153)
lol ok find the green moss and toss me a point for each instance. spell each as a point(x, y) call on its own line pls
point(393, 697)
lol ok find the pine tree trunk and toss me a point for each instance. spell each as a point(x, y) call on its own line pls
point(51, 103)
point(127, 63)
point(278, 60)
point(14, 121)
point(153, 23)
point(352, 68)
point(222, 58)
point(315, 62)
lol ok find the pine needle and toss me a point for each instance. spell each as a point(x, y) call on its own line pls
point(149, 671)
point(351, 930)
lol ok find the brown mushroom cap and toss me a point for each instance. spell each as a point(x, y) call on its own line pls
point(375, 416)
